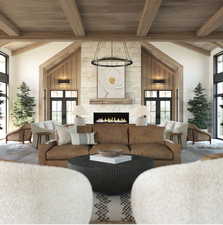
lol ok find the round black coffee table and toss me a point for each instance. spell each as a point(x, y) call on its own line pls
point(111, 179)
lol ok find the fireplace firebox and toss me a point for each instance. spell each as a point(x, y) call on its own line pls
point(111, 117)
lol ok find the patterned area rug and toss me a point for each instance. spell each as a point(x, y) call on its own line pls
point(115, 208)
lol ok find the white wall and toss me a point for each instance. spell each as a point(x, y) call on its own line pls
point(26, 68)
point(196, 69)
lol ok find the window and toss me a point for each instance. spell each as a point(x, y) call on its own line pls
point(4, 78)
point(218, 95)
point(159, 104)
point(62, 104)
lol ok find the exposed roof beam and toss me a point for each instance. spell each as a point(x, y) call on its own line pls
point(193, 48)
point(3, 43)
point(149, 13)
point(218, 44)
point(107, 36)
point(8, 27)
point(212, 24)
point(28, 48)
point(73, 16)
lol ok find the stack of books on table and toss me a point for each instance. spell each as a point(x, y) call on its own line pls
point(112, 160)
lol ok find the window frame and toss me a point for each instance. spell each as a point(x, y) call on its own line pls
point(217, 78)
point(158, 100)
point(4, 78)
point(63, 99)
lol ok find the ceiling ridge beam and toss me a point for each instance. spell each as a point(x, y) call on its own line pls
point(104, 36)
point(149, 13)
point(28, 48)
point(193, 48)
point(212, 24)
point(72, 14)
point(8, 26)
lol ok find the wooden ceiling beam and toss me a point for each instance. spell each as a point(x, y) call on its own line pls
point(28, 48)
point(218, 44)
point(193, 48)
point(73, 16)
point(4, 43)
point(107, 36)
point(212, 24)
point(149, 13)
point(8, 27)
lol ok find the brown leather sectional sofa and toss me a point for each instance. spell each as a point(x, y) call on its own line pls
point(139, 140)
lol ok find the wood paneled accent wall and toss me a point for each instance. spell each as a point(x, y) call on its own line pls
point(154, 69)
point(68, 69)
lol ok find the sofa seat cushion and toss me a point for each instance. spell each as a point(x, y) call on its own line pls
point(111, 134)
point(152, 150)
point(67, 151)
point(97, 147)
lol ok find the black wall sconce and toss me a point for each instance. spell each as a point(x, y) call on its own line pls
point(158, 81)
point(63, 81)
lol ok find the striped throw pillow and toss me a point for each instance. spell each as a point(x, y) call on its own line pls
point(82, 139)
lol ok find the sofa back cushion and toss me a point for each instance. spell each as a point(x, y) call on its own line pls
point(111, 134)
point(85, 129)
point(145, 134)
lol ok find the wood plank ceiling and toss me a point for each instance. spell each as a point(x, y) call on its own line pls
point(194, 24)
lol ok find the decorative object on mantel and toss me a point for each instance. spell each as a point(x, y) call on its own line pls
point(112, 60)
point(80, 112)
point(141, 115)
point(111, 101)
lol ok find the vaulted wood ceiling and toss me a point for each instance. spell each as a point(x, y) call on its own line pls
point(190, 23)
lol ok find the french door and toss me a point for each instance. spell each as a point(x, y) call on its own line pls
point(62, 105)
point(159, 105)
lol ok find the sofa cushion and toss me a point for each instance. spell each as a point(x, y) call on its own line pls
point(145, 134)
point(111, 134)
point(97, 147)
point(152, 150)
point(67, 151)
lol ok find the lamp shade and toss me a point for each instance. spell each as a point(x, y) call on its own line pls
point(80, 111)
point(141, 111)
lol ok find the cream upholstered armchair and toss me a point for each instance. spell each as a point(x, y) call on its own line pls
point(33, 194)
point(180, 194)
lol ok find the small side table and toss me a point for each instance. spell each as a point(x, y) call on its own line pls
point(39, 137)
point(178, 135)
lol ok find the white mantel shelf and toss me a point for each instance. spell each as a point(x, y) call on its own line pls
point(110, 101)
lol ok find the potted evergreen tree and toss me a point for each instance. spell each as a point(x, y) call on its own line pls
point(199, 107)
point(23, 110)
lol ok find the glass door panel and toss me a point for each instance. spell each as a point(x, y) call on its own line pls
point(165, 111)
point(70, 105)
point(151, 105)
point(56, 110)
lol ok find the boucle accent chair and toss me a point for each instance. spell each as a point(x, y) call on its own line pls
point(33, 194)
point(180, 194)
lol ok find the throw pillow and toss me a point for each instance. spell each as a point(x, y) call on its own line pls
point(82, 139)
point(180, 127)
point(64, 134)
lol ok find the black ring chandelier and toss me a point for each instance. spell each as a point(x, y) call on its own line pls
point(112, 61)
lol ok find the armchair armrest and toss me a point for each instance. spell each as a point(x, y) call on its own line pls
point(175, 148)
point(42, 151)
